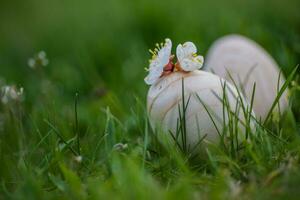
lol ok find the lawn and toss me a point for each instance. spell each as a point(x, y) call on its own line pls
point(80, 129)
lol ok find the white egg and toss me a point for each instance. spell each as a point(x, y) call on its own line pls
point(165, 98)
point(248, 63)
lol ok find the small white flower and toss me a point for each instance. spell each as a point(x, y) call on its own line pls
point(31, 62)
point(41, 55)
point(120, 147)
point(78, 159)
point(43, 58)
point(160, 58)
point(11, 93)
point(188, 60)
point(40, 59)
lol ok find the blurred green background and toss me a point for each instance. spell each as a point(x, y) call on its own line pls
point(105, 43)
point(100, 49)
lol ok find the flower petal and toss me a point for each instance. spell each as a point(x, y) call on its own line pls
point(187, 58)
point(157, 64)
point(200, 60)
point(189, 48)
point(165, 52)
point(153, 76)
point(189, 65)
point(192, 64)
point(180, 52)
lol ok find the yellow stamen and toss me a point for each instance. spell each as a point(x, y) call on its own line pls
point(151, 51)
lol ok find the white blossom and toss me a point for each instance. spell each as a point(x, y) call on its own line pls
point(160, 58)
point(11, 93)
point(39, 60)
point(187, 57)
point(120, 147)
point(78, 159)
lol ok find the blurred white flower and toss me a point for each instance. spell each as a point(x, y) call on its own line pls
point(39, 60)
point(78, 159)
point(235, 189)
point(120, 147)
point(160, 59)
point(11, 93)
point(31, 62)
point(188, 60)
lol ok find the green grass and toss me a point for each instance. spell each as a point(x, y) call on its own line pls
point(90, 102)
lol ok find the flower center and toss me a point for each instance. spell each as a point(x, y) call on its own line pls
point(169, 68)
